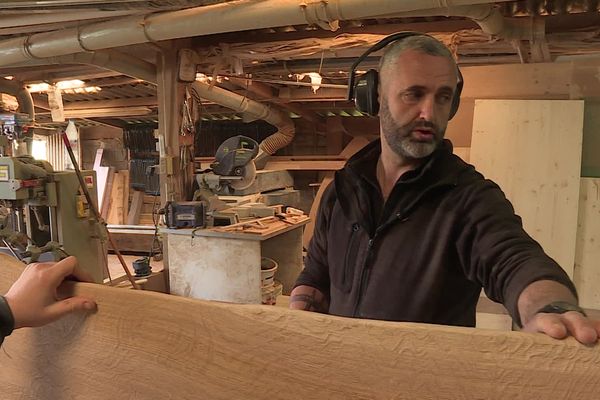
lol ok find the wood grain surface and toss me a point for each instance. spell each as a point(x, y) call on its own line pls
point(143, 345)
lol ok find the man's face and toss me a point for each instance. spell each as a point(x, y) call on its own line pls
point(416, 96)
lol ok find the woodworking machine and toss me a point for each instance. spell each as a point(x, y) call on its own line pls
point(45, 211)
point(232, 169)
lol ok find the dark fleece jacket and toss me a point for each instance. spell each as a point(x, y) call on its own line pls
point(445, 233)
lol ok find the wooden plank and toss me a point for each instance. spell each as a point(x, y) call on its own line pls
point(566, 80)
point(133, 216)
point(106, 197)
point(115, 210)
point(125, 174)
point(211, 350)
point(532, 149)
point(130, 241)
point(587, 254)
point(146, 219)
point(463, 152)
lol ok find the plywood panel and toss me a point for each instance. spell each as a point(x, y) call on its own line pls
point(587, 256)
point(532, 149)
point(463, 152)
point(145, 345)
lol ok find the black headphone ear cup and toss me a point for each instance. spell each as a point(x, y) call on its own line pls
point(456, 98)
point(366, 97)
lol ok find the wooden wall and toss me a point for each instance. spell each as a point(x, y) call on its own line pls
point(532, 149)
point(111, 139)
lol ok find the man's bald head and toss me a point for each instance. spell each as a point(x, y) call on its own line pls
point(421, 43)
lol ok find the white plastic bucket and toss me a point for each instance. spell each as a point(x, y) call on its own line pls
point(268, 267)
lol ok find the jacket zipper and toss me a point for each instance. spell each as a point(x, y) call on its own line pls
point(366, 268)
point(345, 282)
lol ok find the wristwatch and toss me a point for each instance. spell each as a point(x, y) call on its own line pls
point(7, 321)
point(561, 307)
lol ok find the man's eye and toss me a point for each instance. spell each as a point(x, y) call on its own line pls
point(443, 98)
point(411, 97)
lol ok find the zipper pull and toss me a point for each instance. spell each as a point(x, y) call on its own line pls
point(401, 217)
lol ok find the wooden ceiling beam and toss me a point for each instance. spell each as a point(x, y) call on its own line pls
point(114, 81)
point(122, 102)
point(305, 94)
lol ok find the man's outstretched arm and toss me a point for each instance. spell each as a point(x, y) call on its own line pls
point(308, 298)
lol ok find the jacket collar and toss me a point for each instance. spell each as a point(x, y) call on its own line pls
point(441, 169)
point(440, 164)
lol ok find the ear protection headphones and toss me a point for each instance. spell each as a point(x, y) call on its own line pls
point(364, 89)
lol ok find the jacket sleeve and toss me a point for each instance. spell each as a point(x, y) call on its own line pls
point(316, 268)
point(7, 322)
point(496, 251)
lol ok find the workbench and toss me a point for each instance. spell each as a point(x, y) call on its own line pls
point(217, 265)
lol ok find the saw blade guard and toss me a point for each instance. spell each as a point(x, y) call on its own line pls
point(233, 155)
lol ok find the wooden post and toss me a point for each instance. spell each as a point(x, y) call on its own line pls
point(171, 94)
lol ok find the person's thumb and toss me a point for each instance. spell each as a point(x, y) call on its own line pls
point(67, 306)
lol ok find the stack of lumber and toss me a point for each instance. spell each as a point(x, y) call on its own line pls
point(263, 226)
point(116, 201)
point(142, 207)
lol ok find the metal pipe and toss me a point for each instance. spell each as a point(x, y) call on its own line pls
point(219, 18)
point(114, 61)
point(281, 138)
point(23, 96)
point(14, 20)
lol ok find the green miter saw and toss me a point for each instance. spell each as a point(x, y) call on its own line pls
point(233, 169)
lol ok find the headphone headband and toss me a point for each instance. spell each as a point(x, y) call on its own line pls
point(376, 47)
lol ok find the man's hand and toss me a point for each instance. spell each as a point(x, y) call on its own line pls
point(542, 293)
point(33, 298)
point(560, 326)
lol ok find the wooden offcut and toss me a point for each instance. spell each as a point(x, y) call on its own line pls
point(136, 207)
point(145, 345)
point(532, 149)
point(116, 209)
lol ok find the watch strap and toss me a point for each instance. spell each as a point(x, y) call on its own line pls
point(561, 307)
point(7, 320)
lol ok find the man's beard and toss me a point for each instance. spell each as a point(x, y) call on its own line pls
point(401, 140)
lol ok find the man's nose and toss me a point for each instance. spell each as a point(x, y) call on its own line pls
point(427, 108)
